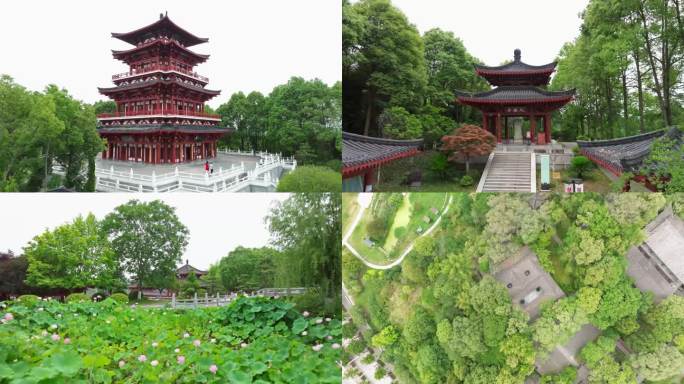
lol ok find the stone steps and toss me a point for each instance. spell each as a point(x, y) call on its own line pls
point(508, 172)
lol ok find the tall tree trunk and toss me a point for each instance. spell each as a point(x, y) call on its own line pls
point(651, 61)
point(369, 111)
point(640, 91)
point(625, 110)
point(611, 113)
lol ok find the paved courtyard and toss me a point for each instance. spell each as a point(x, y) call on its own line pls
point(223, 160)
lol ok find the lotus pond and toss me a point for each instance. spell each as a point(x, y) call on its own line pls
point(252, 340)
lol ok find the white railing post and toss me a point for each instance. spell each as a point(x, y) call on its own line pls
point(195, 300)
point(173, 300)
point(131, 173)
point(111, 170)
point(206, 298)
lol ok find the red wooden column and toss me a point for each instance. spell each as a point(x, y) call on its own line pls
point(498, 128)
point(485, 126)
point(173, 151)
point(533, 129)
point(158, 154)
point(547, 127)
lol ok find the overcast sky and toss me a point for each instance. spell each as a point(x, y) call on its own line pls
point(218, 223)
point(254, 44)
point(492, 29)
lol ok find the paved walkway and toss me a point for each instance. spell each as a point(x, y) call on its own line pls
point(364, 201)
point(222, 160)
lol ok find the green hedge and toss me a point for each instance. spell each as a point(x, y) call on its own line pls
point(77, 297)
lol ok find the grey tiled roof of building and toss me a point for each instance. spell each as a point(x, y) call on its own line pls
point(358, 149)
point(625, 153)
point(517, 92)
point(517, 65)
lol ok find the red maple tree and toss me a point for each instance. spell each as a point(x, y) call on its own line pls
point(468, 141)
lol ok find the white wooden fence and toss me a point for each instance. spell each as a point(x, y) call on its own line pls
point(219, 301)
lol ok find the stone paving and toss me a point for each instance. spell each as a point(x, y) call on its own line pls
point(222, 160)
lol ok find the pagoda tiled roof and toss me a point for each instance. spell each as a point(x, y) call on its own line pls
point(516, 67)
point(161, 128)
point(143, 84)
point(363, 152)
point(119, 53)
point(515, 94)
point(625, 154)
point(163, 26)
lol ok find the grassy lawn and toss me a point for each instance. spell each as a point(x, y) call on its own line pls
point(594, 181)
point(410, 216)
point(350, 207)
point(400, 220)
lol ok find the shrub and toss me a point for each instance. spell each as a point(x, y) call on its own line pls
point(380, 373)
point(133, 296)
point(466, 181)
point(120, 297)
point(369, 358)
point(580, 165)
point(77, 297)
point(28, 300)
point(309, 178)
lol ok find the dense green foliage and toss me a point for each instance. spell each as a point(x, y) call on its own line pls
point(306, 229)
point(440, 317)
point(300, 118)
point(310, 178)
point(148, 239)
point(250, 340)
point(39, 130)
point(248, 269)
point(383, 209)
point(397, 83)
point(627, 68)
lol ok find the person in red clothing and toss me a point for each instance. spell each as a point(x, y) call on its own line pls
point(206, 167)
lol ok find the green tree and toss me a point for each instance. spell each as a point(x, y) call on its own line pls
point(661, 364)
point(148, 239)
point(398, 123)
point(307, 229)
point(73, 256)
point(248, 268)
point(309, 178)
point(385, 338)
point(382, 63)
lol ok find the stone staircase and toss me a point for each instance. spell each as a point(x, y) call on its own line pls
point(509, 172)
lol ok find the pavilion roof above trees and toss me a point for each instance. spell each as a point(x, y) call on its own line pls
point(517, 72)
point(363, 152)
point(516, 95)
point(162, 27)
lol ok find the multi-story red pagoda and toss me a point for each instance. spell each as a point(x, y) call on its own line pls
point(160, 101)
point(517, 94)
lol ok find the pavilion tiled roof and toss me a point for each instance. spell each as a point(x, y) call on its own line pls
point(119, 54)
point(625, 154)
point(162, 26)
point(515, 94)
point(364, 152)
point(161, 128)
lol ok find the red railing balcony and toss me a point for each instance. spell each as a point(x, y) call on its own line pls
point(154, 68)
point(159, 112)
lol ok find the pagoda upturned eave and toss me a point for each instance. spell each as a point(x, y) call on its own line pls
point(145, 84)
point(163, 24)
point(515, 95)
point(121, 54)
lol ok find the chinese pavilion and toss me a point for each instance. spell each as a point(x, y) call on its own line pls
point(518, 93)
point(160, 101)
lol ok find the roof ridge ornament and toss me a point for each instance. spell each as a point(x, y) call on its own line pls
point(516, 55)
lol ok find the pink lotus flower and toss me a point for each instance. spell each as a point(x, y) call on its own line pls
point(327, 319)
point(180, 359)
point(155, 344)
point(319, 321)
point(121, 363)
point(335, 346)
point(305, 313)
point(329, 337)
point(317, 347)
point(304, 333)
point(196, 343)
point(154, 363)
point(67, 340)
point(9, 316)
point(213, 369)
point(55, 337)
point(44, 333)
point(142, 358)
point(186, 335)
point(243, 345)
point(176, 350)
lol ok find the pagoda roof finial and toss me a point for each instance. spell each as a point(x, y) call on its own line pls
point(516, 54)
